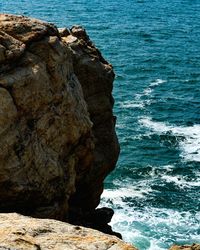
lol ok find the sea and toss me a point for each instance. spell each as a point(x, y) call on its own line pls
point(154, 47)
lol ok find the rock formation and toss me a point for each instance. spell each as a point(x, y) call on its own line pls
point(96, 77)
point(57, 135)
point(41, 234)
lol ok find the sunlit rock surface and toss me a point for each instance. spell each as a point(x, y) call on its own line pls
point(25, 233)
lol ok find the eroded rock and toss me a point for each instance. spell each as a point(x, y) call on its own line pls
point(57, 129)
point(96, 77)
point(25, 233)
point(46, 139)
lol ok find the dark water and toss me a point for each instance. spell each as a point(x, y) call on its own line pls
point(155, 50)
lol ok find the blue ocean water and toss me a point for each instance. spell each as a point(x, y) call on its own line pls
point(154, 48)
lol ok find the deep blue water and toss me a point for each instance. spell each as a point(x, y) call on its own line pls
point(155, 50)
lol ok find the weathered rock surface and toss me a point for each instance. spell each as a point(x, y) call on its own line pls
point(57, 136)
point(186, 247)
point(96, 77)
point(24, 233)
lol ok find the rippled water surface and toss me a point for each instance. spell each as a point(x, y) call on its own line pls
point(155, 50)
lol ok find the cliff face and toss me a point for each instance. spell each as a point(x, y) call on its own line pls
point(57, 135)
point(96, 78)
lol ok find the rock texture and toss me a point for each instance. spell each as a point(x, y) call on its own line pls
point(96, 77)
point(42, 234)
point(57, 135)
point(186, 247)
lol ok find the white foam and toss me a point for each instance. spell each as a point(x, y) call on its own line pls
point(180, 181)
point(118, 194)
point(157, 82)
point(190, 146)
point(131, 104)
point(120, 125)
point(140, 226)
point(147, 91)
point(162, 169)
point(138, 102)
point(155, 126)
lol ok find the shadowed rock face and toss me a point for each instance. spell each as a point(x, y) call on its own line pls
point(57, 136)
point(96, 77)
point(23, 233)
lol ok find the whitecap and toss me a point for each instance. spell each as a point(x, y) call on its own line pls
point(180, 181)
point(120, 125)
point(147, 91)
point(157, 82)
point(190, 146)
point(131, 104)
point(162, 169)
point(159, 127)
point(117, 195)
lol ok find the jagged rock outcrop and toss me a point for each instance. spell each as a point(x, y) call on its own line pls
point(186, 247)
point(57, 136)
point(23, 233)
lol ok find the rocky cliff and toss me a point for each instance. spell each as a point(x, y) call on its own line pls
point(96, 77)
point(57, 129)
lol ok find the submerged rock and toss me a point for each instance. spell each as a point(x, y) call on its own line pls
point(24, 233)
point(57, 130)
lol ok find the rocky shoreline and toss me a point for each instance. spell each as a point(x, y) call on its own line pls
point(19, 232)
point(57, 138)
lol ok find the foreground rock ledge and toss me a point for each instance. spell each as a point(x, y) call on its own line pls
point(18, 232)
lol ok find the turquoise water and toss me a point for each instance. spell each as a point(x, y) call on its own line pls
point(154, 48)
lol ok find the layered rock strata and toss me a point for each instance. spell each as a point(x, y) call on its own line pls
point(57, 135)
